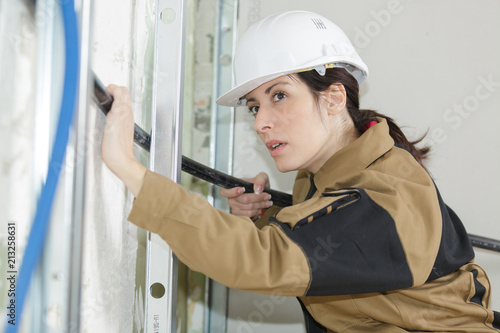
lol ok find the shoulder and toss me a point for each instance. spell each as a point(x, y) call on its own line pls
point(347, 235)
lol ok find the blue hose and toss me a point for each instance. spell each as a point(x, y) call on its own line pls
point(41, 219)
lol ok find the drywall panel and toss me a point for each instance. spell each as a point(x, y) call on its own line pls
point(433, 68)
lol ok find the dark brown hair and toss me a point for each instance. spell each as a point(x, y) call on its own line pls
point(318, 83)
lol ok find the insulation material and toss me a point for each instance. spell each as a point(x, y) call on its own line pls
point(113, 281)
point(17, 93)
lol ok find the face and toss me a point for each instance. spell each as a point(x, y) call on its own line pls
point(298, 133)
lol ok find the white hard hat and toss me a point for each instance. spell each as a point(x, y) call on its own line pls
point(287, 43)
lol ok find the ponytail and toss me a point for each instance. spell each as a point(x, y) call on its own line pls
point(318, 83)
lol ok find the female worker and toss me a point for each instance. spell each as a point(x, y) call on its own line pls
point(368, 246)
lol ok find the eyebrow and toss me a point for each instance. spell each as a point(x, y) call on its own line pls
point(268, 90)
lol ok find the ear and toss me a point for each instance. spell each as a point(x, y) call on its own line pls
point(335, 98)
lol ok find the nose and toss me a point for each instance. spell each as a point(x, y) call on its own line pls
point(264, 120)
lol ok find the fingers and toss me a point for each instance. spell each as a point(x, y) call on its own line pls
point(260, 182)
point(249, 204)
point(120, 119)
point(251, 201)
point(118, 135)
point(121, 95)
point(231, 193)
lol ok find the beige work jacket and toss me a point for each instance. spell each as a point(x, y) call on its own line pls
point(371, 247)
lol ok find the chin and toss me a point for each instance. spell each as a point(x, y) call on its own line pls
point(283, 168)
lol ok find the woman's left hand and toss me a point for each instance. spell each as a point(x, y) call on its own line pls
point(249, 204)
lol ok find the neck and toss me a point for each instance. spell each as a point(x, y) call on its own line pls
point(343, 134)
point(349, 133)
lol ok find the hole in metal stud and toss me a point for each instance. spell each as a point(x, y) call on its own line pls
point(167, 15)
point(157, 290)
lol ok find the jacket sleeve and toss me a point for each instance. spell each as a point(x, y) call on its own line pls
point(229, 249)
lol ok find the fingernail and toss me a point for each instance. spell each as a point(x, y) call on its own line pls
point(241, 190)
point(267, 197)
point(258, 189)
point(269, 204)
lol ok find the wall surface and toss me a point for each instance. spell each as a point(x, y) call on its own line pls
point(433, 68)
point(114, 255)
point(17, 172)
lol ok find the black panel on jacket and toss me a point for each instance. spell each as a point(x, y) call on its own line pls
point(480, 289)
point(496, 320)
point(455, 249)
point(355, 249)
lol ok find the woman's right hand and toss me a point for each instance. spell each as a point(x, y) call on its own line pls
point(249, 204)
point(117, 145)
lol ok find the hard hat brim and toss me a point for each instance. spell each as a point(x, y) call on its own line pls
point(233, 96)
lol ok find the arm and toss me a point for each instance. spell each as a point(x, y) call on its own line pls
point(228, 248)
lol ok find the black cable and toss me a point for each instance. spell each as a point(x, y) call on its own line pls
point(485, 243)
point(143, 139)
point(226, 181)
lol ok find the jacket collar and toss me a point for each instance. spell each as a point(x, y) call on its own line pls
point(354, 157)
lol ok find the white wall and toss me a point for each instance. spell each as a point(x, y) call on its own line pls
point(433, 67)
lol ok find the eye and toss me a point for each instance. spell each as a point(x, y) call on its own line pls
point(279, 96)
point(253, 110)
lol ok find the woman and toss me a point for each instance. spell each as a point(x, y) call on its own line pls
point(368, 246)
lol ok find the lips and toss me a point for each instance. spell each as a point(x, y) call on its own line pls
point(275, 147)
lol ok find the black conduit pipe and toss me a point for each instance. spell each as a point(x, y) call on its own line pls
point(143, 139)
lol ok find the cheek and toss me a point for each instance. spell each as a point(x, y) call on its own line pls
point(318, 137)
point(314, 125)
point(261, 137)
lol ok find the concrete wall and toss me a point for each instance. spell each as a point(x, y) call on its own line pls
point(433, 67)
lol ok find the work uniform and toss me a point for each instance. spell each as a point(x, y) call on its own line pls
point(368, 246)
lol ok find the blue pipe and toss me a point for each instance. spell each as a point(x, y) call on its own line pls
point(36, 238)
